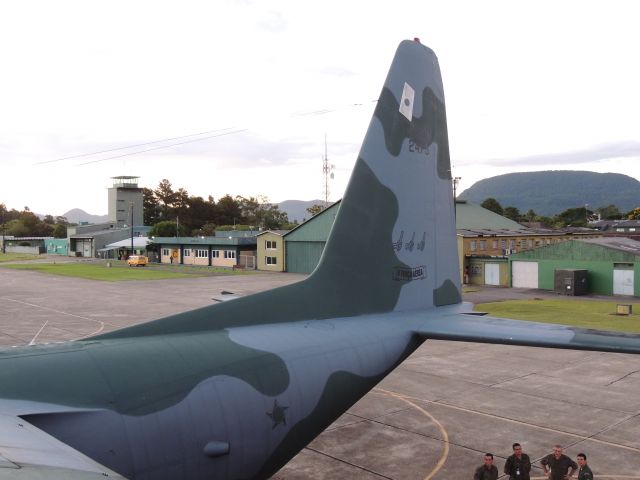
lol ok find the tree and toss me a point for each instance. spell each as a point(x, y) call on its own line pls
point(315, 209)
point(633, 214)
point(493, 205)
point(610, 212)
point(168, 228)
point(259, 213)
point(530, 216)
point(228, 211)
point(575, 217)
point(60, 230)
point(199, 212)
point(150, 207)
point(17, 228)
point(512, 213)
point(166, 199)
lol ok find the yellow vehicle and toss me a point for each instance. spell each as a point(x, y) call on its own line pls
point(137, 261)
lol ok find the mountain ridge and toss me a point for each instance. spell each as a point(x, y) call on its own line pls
point(550, 192)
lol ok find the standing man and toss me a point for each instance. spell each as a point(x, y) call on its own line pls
point(518, 465)
point(584, 472)
point(556, 465)
point(488, 471)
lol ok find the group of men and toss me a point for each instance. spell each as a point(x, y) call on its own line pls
point(556, 465)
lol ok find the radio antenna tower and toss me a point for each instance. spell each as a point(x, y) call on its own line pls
point(327, 170)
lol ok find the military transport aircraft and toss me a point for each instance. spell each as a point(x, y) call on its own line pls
point(234, 390)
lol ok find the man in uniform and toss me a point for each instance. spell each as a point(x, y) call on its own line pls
point(488, 471)
point(584, 472)
point(556, 465)
point(518, 465)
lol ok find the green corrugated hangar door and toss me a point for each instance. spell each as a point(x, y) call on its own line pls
point(303, 257)
point(524, 274)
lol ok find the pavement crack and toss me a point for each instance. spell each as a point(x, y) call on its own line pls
point(359, 467)
point(622, 377)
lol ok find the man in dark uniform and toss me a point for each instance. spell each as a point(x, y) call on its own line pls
point(584, 472)
point(518, 465)
point(488, 471)
point(556, 465)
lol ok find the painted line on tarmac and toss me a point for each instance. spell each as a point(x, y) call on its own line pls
point(445, 437)
point(443, 431)
point(33, 340)
point(532, 425)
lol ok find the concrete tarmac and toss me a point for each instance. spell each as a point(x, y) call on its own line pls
point(433, 418)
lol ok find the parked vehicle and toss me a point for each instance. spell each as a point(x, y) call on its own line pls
point(137, 261)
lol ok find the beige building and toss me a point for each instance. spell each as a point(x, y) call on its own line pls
point(270, 250)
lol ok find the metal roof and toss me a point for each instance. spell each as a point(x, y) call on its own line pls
point(204, 240)
point(471, 216)
point(138, 242)
point(623, 244)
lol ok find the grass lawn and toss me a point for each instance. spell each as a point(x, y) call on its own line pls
point(99, 271)
point(580, 313)
point(16, 257)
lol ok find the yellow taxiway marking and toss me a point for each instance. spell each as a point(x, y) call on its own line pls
point(445, 436)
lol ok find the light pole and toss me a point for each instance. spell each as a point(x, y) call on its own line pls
point(456, 180)
point(3, 249)
point(132, 252)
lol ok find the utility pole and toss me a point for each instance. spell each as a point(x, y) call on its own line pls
point(456, 180)
point(327, 170)
point(3, 248)
point(132, 252)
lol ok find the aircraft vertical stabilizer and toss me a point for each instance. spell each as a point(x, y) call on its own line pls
point(392, 246)
point(395, 232)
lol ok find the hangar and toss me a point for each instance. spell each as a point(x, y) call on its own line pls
point(612, 264)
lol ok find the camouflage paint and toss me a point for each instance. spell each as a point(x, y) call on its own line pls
point(234, 390)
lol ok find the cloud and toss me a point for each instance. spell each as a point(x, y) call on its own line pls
point(598, 153)
point(273, 22)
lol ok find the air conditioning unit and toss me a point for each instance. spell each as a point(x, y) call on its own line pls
point(507, 251)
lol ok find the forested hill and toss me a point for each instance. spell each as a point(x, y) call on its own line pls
point(551, 192)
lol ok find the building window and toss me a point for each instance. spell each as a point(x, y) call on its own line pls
point(523, 243)
point(494, 244)
point(483, 244)
point(503, 244)
point(270, 244)
point(512, 244)
point(187, 252)
point(473, 245)
point(271, 260)
point(202, 253)
point(215, 253)
point(229, 254)
point(165, 252)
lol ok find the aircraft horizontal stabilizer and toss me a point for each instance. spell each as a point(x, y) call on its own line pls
point(485, 329)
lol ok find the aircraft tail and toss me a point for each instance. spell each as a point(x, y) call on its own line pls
point(393, 241)
point(392, 246)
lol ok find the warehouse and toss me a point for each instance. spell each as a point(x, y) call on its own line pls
point(611, 263)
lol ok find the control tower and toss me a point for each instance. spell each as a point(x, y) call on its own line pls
point(125, 200)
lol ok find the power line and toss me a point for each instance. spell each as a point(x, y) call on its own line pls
point(225, 130)
point(129, 146)
point(162, 146)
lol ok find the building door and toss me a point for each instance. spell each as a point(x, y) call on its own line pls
point(623, 279)
point(524, 274)
point(492, 274)
point(86, 248)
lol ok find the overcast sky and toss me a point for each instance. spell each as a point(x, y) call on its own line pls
point(528, 85)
